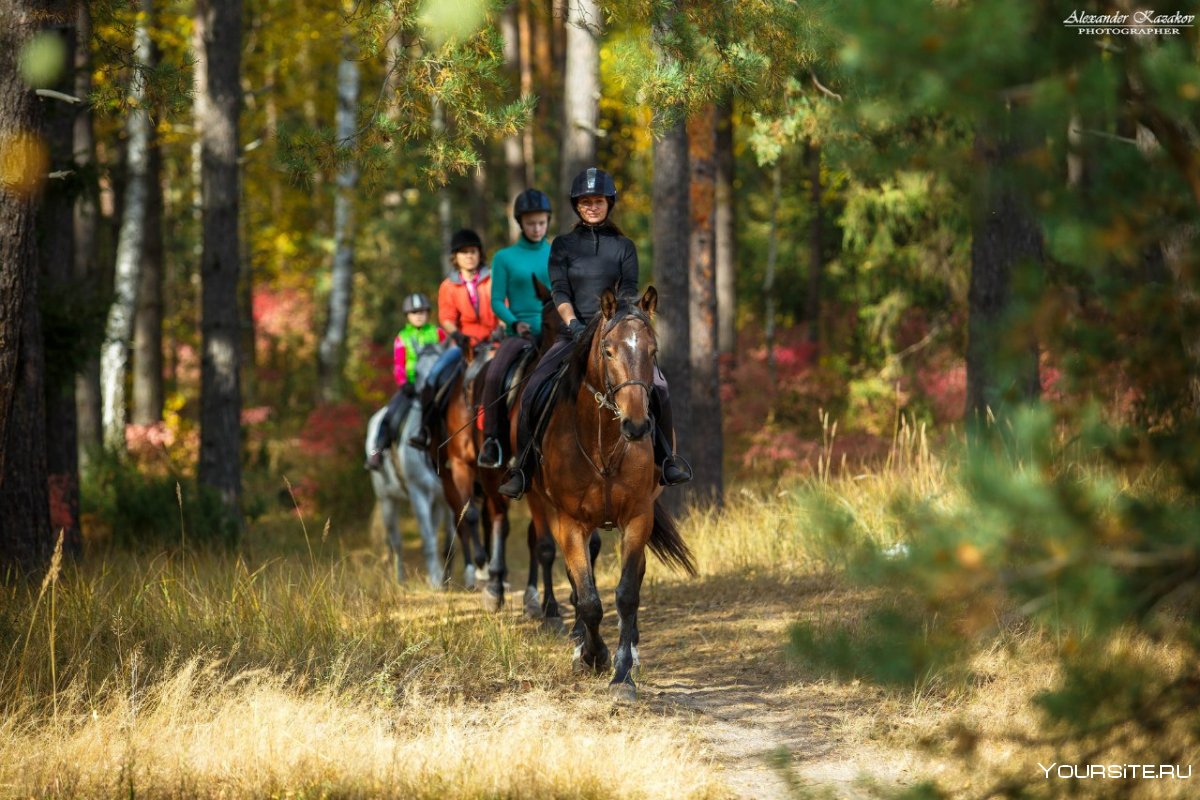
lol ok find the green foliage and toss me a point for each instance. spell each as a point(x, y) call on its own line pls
point(144, 510)
point(1098, 561)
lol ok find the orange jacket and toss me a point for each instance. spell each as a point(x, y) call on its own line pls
point(475, 320)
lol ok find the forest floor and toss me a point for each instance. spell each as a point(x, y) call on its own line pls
point(715, 665)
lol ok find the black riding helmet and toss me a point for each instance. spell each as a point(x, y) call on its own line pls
point(593, 181)
point(529, 201)
point(415, 302)
point(465, 237)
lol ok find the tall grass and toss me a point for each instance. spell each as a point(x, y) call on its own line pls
point(296, 666)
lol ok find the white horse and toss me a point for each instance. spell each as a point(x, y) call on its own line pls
point(407, 474)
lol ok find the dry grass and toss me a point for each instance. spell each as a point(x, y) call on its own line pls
point(299, 668)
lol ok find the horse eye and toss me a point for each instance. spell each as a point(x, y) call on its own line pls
point(608, 354)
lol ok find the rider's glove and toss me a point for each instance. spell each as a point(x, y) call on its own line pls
point(576, 329)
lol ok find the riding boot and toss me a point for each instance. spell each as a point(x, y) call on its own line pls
point(675, 468)
point(518, 477)
point(517, 482)
point(423, 437)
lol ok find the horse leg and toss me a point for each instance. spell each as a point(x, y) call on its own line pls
point(391, 524)
point(590, 650)
point(633, 570)
point(533, 602)
point(545, 549)
point(427, 525)
point(493, 595)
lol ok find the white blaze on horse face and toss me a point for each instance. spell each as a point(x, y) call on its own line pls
point(631, 340)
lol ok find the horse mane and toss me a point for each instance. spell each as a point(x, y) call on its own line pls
point(576, 373)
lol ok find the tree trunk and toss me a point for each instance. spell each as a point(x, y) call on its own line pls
point(812, 297)
point(24, 517)
point(769, 275)
point(85, 225)
point(1002, 366)
point(445, 212)
point(707, 450)
point(220, 24)
point(333, 345)
point(118, 331)
point(514, 156)
point(481, 200)
point(148, 391)
point(581, 104)
point(726, 223)
point(59, 291)
point(525, 62)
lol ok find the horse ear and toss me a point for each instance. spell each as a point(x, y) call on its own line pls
point(649, 300)
point(608, 303)
point(542, 292)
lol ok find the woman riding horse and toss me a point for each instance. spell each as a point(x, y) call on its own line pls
point(592, 257)
point(517, 305)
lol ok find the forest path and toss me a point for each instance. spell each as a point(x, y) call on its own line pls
point(715, 652)
point(714, 657)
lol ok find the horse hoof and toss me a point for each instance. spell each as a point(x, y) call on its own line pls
point(492, 601)
point(623, 693)
point(533, 603)
point(554, 625)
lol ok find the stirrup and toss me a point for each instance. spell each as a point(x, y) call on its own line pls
point(490, 447)
point(516, 492)
point(679, 463)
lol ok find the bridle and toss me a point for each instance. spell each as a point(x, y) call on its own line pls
point(607, 398)
point(610, 463)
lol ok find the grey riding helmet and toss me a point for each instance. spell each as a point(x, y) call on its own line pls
point(416, 302)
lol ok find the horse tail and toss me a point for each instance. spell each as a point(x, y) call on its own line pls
point(667, 543)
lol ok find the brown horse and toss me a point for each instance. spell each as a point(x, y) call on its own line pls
point(541, 544)
point(598, 470)
point(453, 454)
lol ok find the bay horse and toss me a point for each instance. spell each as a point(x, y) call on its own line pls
point(454, 461)
point(597, 471)
point(541, 543)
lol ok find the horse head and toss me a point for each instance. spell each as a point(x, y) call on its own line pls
point(624, 348)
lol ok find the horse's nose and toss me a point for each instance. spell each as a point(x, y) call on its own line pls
point(633, 431)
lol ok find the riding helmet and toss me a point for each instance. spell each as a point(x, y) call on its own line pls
point(594, 181)
point(465, 237)
point(415, 302)
point(529, 201)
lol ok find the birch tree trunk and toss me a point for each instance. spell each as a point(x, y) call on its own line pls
point(118, 331)
point(86, 219)
point(581, 99)
point(24, 517)
point(220, 30)
point(333, 345)
point(726, 226)
point(706, 448)
point(148, 391)
point(514, 156)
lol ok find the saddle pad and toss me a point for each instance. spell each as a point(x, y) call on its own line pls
point(543, 402)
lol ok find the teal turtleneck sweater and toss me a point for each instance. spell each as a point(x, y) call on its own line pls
point(513, 271)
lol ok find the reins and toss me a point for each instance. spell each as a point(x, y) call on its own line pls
point(612, 462)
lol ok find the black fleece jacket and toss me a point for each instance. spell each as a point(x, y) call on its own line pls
point(586, 261)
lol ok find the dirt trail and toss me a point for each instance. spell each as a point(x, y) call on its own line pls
point(714, 650)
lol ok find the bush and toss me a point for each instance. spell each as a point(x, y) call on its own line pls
point(133, 507)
